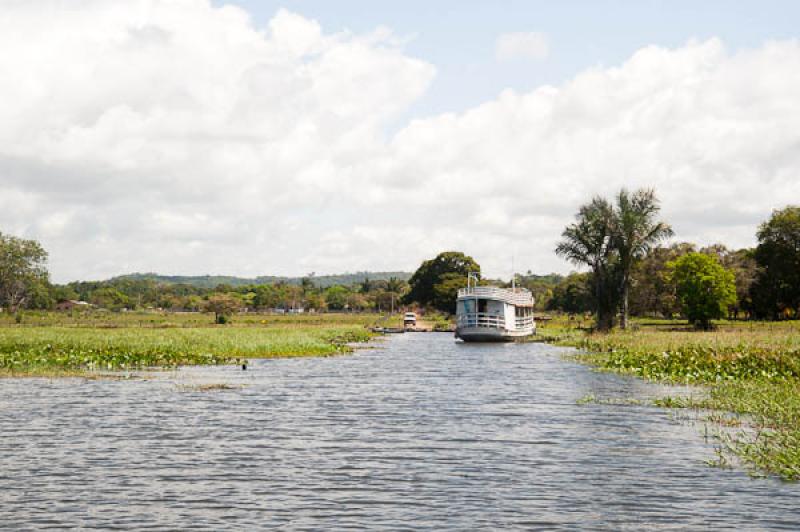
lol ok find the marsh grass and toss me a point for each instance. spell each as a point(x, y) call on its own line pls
point(591, 399)
point(66, 346)
point(750, 370)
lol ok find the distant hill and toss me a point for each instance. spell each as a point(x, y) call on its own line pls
point(210, 281)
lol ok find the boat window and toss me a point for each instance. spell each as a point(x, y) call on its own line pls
point(467, 306)
point(482, 304)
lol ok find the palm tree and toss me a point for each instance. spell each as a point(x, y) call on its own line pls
point(589, 241)
point(635, 232)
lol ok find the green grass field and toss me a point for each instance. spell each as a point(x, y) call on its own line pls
point(65, 344)
point(748, 369)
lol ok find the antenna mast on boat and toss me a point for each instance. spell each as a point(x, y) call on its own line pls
point(513, 275)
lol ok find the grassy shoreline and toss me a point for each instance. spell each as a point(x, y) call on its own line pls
point(749, 371)
point(53, 345)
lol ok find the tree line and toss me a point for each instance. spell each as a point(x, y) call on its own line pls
point(632, 273)
point(621, 242)
point(25, 284)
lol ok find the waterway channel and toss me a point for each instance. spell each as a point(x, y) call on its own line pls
point(418, 432)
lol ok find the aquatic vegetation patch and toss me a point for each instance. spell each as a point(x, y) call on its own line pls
point(52, 350)
point(751, 371)
point(591, 399)
point(694, 363)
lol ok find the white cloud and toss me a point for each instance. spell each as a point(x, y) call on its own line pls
point(131, 129)
point(522, 45)
point(176, 137)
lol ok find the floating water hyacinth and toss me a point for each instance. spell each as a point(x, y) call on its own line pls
point(33, 349)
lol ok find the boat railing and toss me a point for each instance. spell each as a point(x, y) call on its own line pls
point(524, 322)
point(481, 319)
point(517, 296)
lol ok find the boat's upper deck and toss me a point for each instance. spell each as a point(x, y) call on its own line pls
point(520, 297)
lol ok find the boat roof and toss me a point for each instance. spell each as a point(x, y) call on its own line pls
point(521, 297)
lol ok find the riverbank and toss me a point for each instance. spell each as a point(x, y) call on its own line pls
point(54, 344)
point(749, 371)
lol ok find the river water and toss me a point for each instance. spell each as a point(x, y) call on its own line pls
point(418, 432)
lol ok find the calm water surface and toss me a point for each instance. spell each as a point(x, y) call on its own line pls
point(420, 432)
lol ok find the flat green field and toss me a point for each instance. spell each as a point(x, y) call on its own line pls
point(64, 344)
point(749, 371)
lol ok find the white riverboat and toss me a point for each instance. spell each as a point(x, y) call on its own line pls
point(493, 314)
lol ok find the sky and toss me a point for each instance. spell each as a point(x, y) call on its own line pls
point(282, 138)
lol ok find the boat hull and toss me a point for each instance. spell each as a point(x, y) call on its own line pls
point(484, 334)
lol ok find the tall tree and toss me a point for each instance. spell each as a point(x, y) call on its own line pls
point(433, 272)
point(705, 289)
point(396, 285)
point(635, 232)
point(365, 287)
point(336, 297)
point(223, 306)
point(777, 287)
point(589, 242)
point(22, 267)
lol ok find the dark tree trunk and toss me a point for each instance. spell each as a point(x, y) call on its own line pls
point(605, 301)
point(623, 321)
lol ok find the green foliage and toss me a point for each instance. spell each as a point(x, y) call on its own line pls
point(542, 287)
point(653, 293)
point(777, 288)
point(396, 285)
point(109, 298)
point(63, 293)
point(635, 232)
point(120, 344)
point(22, 270)
point(223, 306)
point(698, 363)
point(142, 292)
point(589, 242)
point(358, 302)
point(705, 289)
point(336, 297)
point(573, 294)
point(611, 239)
point(751, 370)
point(743, 264)
point(440, 271)
point(40, 296)
point(445, 292)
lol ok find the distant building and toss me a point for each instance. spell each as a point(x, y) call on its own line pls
point(71, 304)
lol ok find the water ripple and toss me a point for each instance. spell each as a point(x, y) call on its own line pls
point(419, 433)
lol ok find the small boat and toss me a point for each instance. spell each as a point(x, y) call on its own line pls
point(493, 314)
point(389, 330)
